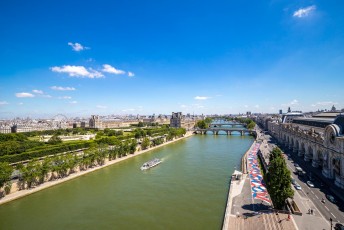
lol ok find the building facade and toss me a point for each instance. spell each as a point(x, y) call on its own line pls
point(95, 122)
point(318, 139)
point(176, 120)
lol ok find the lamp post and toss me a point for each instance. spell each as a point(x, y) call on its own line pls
point(331, 222)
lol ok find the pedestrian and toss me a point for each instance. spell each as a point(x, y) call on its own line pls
point(309, 211)
point(312, 211)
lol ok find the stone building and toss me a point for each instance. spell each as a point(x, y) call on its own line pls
point(179, 121)
point(318, 139)
point(95, 122)
point(176, 120)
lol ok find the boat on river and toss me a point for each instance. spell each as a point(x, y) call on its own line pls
point(150, 164)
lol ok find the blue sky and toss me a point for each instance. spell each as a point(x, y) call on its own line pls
point(143, 57)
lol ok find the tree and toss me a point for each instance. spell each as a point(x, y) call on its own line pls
point(55, 139)
point(6, 171)
point(278, 179)
point(275, 153)
point(201, 124)
point(44, 169)
point(208, 120)
point(251, 125)
point(133, 146)
point(145, 143)
point(30, 173)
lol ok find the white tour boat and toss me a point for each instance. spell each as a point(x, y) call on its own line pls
point(150, 164)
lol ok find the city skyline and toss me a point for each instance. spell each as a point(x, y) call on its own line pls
point(229, 57)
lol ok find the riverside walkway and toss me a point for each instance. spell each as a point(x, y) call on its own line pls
point(248, 205)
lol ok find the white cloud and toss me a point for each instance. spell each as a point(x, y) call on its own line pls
point(294, 102)
point(110, 69)
point(3, 103)
point(65, 97)
point(37, 91)
point(246, 106)
point(201, 98)
point(101, 106)
point(77, 46)
point(325, 103)
point(131, 74)
point(256, 106)
point(73, 102)
point(304, 12)
point(62, 88)
point(20, 103)
point(128, 110)
point(77, 71)
point(46, 95)
point(183, 106)
point(24, 95)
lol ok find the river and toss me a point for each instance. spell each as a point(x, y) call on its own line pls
point(188, 190)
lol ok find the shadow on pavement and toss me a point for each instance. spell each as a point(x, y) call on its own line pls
point(256, 207)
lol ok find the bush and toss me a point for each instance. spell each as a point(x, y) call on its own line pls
point(46, 151)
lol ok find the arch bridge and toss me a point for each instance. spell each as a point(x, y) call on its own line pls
point(228, 131)
point(227, 125)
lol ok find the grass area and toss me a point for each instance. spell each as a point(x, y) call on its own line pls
point(127, 133)
point(35, 138)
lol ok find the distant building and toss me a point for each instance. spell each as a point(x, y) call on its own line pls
point(176, 120)
point(83, 124)
point(280, 112)
point(95, 122)
point(289, 117)
point(14, 129)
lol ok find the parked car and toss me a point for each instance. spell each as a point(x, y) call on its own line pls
point(297, 187)
point(293, 181)
point(310, 184)
point(296, 165)
point(331, 198)
point(339, 226)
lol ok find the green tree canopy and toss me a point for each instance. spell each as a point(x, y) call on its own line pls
point(278, 179)
point(201, 124)
point(5, 173)
point(145, 143)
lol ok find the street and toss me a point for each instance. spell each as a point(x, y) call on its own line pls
point(310, 197)
point(328, 209)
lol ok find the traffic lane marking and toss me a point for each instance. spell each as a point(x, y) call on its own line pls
point(333, 215)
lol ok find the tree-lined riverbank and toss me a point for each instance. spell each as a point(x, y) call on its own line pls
point(78, 172)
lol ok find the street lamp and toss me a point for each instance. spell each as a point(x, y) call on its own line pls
point(331, 222)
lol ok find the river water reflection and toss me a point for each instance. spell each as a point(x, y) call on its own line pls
point(188, 190)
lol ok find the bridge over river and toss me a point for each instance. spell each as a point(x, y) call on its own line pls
point(227, 130)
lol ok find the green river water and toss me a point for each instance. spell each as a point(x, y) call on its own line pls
point(188, 190)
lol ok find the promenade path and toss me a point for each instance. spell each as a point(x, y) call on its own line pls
point(249, 205)
point(306, 221)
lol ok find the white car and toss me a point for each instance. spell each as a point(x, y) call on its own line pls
point(310, 184)
point(297, 187)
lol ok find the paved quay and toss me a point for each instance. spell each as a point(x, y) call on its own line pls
point(306, 221)
point(243, 212)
